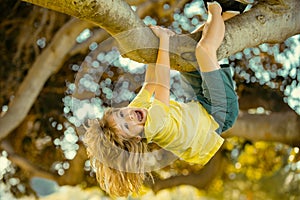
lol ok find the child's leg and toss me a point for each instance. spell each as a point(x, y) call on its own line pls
point(212, 38)
point(215, 92)
point(215, 88)
point(225, 15)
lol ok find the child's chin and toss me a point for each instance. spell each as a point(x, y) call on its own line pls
point(145, 113)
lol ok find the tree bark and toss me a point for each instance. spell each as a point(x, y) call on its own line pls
point(246, 30)
point(281, 127)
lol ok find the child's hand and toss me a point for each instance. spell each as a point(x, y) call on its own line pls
point(162, 32)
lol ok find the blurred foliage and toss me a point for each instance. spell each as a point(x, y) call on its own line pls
point(258, 159)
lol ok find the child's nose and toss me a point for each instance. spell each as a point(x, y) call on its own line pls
point(129, 116)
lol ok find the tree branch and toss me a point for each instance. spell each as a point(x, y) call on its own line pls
point(281, 127)
point(118, 19)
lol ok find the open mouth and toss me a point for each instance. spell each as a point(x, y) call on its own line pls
point(139, 115)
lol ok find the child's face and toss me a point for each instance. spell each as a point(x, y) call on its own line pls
point(130, 121)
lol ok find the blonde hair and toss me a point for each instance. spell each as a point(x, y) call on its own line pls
point(119, 162)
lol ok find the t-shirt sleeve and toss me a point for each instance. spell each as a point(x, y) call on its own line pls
point(142, 99)
point(158, 117)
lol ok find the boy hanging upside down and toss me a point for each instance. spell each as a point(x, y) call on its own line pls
point(192, 131)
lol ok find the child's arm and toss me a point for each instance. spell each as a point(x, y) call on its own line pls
point(162, 69)
point(150, 79)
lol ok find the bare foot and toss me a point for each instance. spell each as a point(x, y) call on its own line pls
point(214, 7)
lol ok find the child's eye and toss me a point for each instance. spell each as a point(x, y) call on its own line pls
point(126, 126)
point(121, 114)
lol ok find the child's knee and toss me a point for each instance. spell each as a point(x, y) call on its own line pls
point(201, 47)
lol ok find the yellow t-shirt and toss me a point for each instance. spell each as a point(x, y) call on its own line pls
point(185, 129)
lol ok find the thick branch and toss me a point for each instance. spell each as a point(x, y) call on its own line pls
point(281, 127)
point(247, 30)
point(264, 23)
